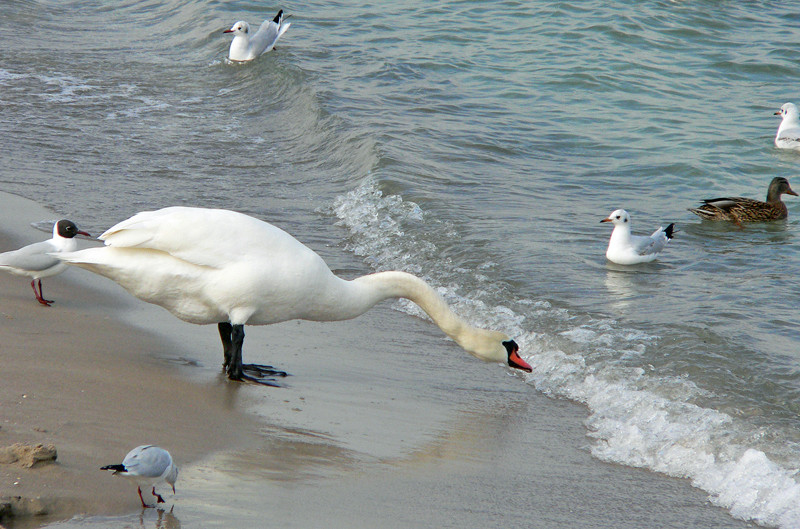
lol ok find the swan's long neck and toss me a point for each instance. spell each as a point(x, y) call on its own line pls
point(364, 292)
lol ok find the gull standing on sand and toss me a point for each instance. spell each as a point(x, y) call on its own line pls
point(37, 261)
point(218, 266)
point(627, 249)
point(147, 465)
point(788, 136)
point(246, 46)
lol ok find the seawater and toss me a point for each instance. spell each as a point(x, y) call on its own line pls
point(476, 144)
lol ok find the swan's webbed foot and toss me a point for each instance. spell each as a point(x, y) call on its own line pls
point(260, 370)
point(232, 338)
point(257, 374)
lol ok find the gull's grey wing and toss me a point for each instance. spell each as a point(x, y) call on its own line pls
point(147, 460)
point(265, 37)
point(34, 257)
point(649, 245)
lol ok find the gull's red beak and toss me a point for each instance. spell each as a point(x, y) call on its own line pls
point(228, 31)
point(83, 233)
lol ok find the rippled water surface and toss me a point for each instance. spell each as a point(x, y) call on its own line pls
point(477, 144)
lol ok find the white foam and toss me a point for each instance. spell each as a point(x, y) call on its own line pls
point(636, 417)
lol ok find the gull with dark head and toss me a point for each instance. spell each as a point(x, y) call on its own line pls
point(37, 260)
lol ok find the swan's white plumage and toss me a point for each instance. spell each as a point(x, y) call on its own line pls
point(211, 265)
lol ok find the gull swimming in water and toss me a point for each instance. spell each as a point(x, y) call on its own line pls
point(740, 209)
point(215, 266)
point(788, 136)
point(246, 46)
point(627, 249)
point(147, 465)
point(37, 261)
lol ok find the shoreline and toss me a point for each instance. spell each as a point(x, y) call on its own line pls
point(385, 422)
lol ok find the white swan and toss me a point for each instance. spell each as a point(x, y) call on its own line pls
point(219, 266)
point(627, 249)
point(788, 136)
point(147, 465)
point(246, 47)
point(36, 260)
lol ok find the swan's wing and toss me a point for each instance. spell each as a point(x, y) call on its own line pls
point(34, 257)
point(205, 237)
point(147, 461)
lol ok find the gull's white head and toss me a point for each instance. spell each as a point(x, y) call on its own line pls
point(618, 217)
point(239, 28)
point(788, 111)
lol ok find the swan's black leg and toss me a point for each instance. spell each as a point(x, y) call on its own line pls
point(234, 358)
point(225, 330)
point(232, 340)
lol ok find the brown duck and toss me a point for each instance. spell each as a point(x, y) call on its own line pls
point(739, 209)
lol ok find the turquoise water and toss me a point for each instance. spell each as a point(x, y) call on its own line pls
point(477, 144)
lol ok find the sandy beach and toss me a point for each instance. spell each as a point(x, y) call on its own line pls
point(75, 377)
point(383, 423)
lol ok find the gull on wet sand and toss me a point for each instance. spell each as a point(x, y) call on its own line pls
point(147, 466)
point(247, 45)
point(627, 249)
point(37, 260)
point(216, 266)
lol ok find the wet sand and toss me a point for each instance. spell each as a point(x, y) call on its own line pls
point(74, 376)
point(383, 423)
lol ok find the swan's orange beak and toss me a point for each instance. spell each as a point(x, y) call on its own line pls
point(514, 359)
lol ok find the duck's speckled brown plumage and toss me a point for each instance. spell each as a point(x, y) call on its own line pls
point(740, 209)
